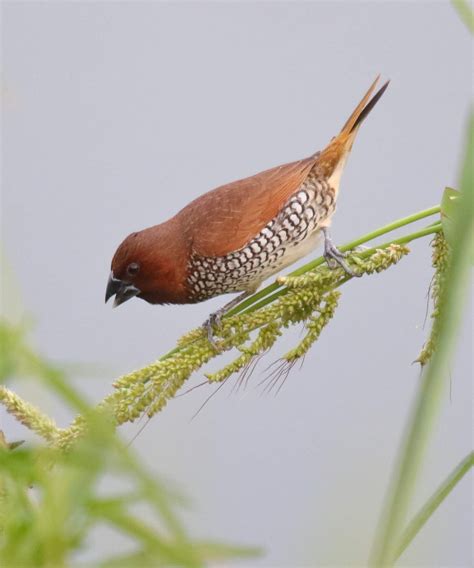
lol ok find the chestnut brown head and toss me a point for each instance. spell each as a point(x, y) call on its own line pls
point(145, 265)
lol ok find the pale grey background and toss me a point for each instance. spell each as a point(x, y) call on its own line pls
point(116, 115)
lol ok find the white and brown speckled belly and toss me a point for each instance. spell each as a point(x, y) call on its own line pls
point(291, 235)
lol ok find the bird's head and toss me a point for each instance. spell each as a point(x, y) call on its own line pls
point(147, 265)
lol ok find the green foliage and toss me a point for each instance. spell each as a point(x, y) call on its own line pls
point(17, 359)
point(466, 13)
point(450, 303)
point(50, 499)
point(451, 202)
point(48, 527)
point(308, 298)
point(45, 530)
point(420, 519)
point(451, 277)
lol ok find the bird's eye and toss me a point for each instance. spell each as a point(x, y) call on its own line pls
point(132, 269)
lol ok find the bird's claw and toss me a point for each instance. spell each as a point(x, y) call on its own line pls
point(335, 257)
point(214, 320)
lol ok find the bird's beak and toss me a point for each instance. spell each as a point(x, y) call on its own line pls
point(122, 290)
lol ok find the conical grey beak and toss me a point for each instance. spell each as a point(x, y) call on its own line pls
point(113, 286)
point(120, 289)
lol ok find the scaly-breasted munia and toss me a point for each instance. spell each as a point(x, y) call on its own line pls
point(234, 237)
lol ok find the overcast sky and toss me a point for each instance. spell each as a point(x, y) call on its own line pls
point(118, 114)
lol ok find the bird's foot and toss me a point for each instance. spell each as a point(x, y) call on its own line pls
point(213, 321)
point(335, 257)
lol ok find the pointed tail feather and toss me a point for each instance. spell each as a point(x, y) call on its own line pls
point(333, 156)
point(364, 107)
point(359, 116)
point(348, 126)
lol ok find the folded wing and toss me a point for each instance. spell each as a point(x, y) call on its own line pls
point(227, 218)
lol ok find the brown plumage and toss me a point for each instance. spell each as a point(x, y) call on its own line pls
point(233, 237)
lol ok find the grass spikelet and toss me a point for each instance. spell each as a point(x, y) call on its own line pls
point(440, 262)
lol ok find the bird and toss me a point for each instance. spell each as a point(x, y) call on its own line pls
point(234, 237)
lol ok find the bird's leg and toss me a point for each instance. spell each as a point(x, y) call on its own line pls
point(332, 253)
point(215, 319)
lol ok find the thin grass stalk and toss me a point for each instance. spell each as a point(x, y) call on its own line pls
point(423, 515)
point(433, 382)
point(347, 247)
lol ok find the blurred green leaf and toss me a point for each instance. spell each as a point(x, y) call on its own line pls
point(449, 202)
point(452, 200)
point(12, 359)
point(49, 499)
point(433, 381)
point(113, 512)
point(420, 519)
point(465, 12)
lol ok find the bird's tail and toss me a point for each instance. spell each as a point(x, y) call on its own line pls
point(336, 151)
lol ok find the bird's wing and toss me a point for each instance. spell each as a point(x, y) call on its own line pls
point(228, 217)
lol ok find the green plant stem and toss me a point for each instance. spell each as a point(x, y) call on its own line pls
point(268, 291)
point(280, 290)
point(365, 254)
point(311, 265)
point(349, 246)
point(419, 520)
point(429, 395)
